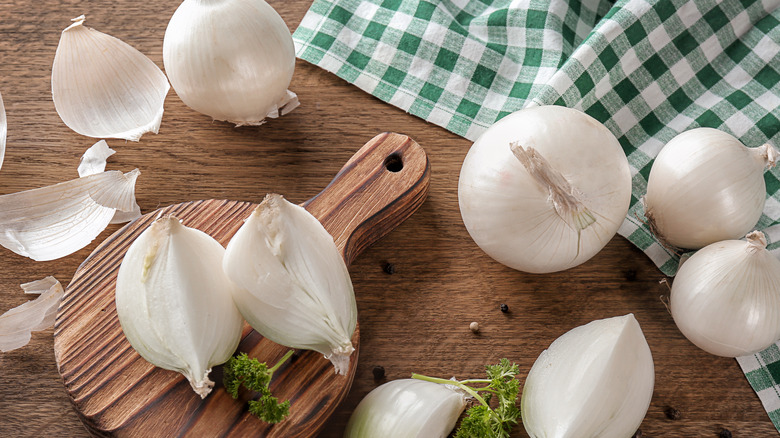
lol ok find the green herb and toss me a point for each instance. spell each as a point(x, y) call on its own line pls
point(243, 370)
point(482, 421)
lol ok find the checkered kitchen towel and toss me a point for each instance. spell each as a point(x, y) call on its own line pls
point(647, 69)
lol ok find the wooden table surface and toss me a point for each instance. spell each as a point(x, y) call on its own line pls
point(415, 320)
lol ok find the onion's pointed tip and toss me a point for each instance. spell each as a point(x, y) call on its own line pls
point(77, 22)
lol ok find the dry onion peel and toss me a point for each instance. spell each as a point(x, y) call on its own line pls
point(3, 130)
point(54, 221)
point(102, 87)
point(17, 324)
point(94, 161)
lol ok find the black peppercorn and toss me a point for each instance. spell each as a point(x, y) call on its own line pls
point(389, 268)
point(672, 413)
point(637, 434)
point(724, 433)
point(379, 372)
point(504, 308)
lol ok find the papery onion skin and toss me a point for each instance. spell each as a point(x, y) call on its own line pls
point(595, 381)
point(51, 222)
point(726, 297)
point(510, 215)
point(705, 186)
point(174, 301)
point(17, 324)
point(102, 87)
point(230, 59)
point(406, 408)
point(3, 131)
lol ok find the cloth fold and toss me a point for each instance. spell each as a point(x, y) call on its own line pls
point(647, 69)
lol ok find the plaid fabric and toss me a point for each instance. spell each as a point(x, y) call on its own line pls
point(763, 372)
point(647, 69)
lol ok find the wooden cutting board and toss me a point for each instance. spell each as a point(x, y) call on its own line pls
point(117, 393)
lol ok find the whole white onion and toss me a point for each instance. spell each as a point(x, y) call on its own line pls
point(230, 59)
point(726, 297)
point(560, 205)
point(706, 186)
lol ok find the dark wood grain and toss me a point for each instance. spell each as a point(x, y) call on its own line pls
point(415, 320)
point(117, 393)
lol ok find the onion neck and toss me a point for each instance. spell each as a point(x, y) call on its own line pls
point(767, 155)
point(78, 23)
point(564, 197)
point(756, 241)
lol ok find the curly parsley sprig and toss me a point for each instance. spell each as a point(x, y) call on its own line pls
point(256, 376)
point(482, 421)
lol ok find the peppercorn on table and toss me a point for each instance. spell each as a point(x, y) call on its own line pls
point(418, 290)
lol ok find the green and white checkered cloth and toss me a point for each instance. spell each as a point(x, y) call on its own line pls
point(647, 69)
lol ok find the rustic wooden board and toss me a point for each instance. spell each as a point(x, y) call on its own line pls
point(118, 393)
point(415, 320)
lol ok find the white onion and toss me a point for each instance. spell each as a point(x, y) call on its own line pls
point(174, 301)
point(293, 285)
point(407, 408)
point(595, 380)
point(230, 59)
point(705, 186)
point(726, 297)
point(566, 211)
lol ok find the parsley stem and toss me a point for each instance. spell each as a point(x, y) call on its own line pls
point(281, 361)
point(471, 381)
point(455, 383)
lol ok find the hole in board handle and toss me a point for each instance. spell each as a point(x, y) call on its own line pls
point(394, 163)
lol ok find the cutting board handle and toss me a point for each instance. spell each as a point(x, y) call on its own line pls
point(383, 184)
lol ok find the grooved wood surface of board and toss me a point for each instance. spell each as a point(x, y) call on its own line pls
point(413, 320)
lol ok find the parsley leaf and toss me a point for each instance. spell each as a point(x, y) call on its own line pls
point(249, 372)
